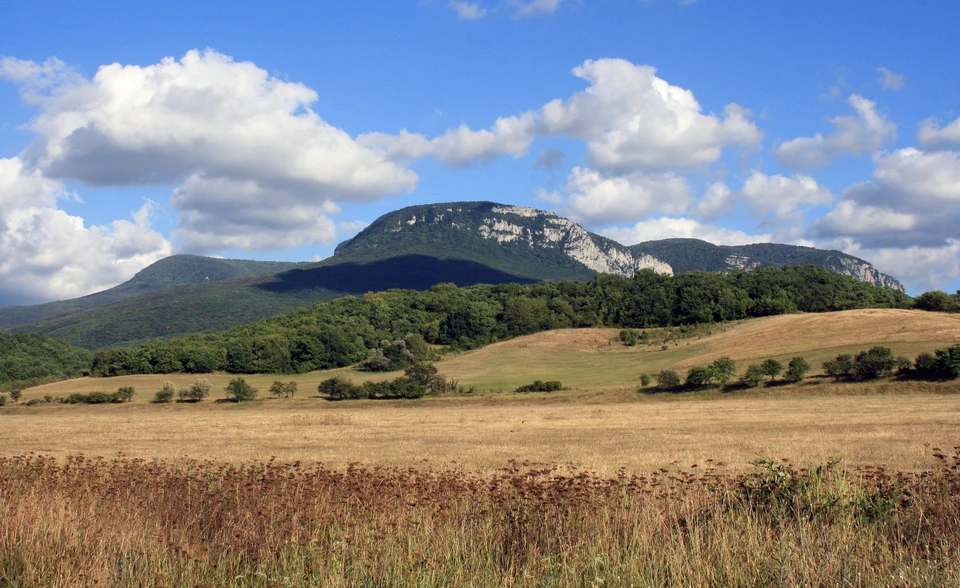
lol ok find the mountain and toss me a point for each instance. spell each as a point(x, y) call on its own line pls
point(176, 270)
point(416, 247)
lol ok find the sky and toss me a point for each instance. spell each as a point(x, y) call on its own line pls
point(131, 131)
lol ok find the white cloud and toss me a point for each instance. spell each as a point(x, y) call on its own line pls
point(890, 80)
point(229, 123)
point(528, 8)
point(595, 198)
point(631, 119)
point(865, 132)
point(850, 218)
point(932, 178)
point(781, 196)
point(468, 10)
point(37, 80)
point(932, 135)
point(47, 254)
point(680, 228)
point(460, 146)
point(715, 202)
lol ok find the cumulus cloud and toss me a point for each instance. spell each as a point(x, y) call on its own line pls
point(782, 197)
point(468, 10)
point(912, 202)
point(715, 202)
point(866, 131)
point(933, 136)
point(47, 254)
point(681, 228)
point(211, 122)
point(631, 119)
point(460, 146)
point(529, 8)
point(596, 198)
point(889, 80)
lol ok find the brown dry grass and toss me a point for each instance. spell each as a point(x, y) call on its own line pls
point(601, 431)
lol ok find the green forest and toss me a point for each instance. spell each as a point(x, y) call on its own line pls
point(30, 359)
point(346, 330)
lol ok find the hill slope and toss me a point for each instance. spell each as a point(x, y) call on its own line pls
point(416, 247)
point(176, 270)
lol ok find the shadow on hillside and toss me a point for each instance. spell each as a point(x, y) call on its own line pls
point(412, 272)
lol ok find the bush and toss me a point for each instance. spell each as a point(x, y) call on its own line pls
point(839, 368)
point(948, 362)
point(753, 376)
point(35, 402)
point(668, 380)
point(422, 373)
point(3, 399)
point(797, 369)
point(199, 390)
point(644, 380)
point(772, 368)
point(699, 376)
point(629, 337)
point(926, 365)
point(240, 390)
point(165, 393)
point(283, 389)
point(875, 363)
point(339, 388)
point(539, 386)
point(723, 369)
point(123, 394)
point(15, 395)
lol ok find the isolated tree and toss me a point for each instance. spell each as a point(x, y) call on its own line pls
point(723, 369)
point(15, 395)
point(699, 376)
point(753, 376)
point(124, 394)
point(421, 373)
point(166, 392)
point(283, 389)
point(772, 368)
point(797, 369)
point(240, 390)
point(948, 362)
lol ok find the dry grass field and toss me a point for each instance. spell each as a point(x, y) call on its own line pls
point(597, 485)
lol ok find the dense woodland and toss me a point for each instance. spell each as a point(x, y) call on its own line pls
point(344, 331)
point(29, 359)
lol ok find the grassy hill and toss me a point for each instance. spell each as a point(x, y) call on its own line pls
point(594, 359)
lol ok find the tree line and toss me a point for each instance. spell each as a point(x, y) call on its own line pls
point(396, 325)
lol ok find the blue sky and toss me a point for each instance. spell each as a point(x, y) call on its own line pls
point(131, 131)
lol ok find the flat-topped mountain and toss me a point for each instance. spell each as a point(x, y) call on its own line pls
point(464, 243)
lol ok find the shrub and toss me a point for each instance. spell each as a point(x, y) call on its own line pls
point(283, 389)
point(839, 368)
point(338, 388)
point(797, 369)
point(629, 337)
point(644, 380)
point(699, 376)
point(948, 362)
point(873, 364)
point(240, 390)
point(772, 368)
point(15, 395)
point(422, 373)
point(539, 386)
point(668, 380)
point(3, 399)
point(35, 401)
point(753, 376)
point(123, 394)
point(723, 368)
point(903, 365)
point(199, 390)
point(165, 393)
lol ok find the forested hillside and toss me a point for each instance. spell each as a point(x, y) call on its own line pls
point(28, 359)
point(344, 331)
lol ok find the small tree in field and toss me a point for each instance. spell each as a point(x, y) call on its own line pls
point(699, 376)
point(668, 380)
point(797, 369)
point(772, 368)
point(283, 389)
point(15, 395)
point(753, 376)
point(240, 390)
point(166, 392)
point(723, 369)
point(644, 380)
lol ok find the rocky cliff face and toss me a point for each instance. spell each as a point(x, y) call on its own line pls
point(469, 229)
